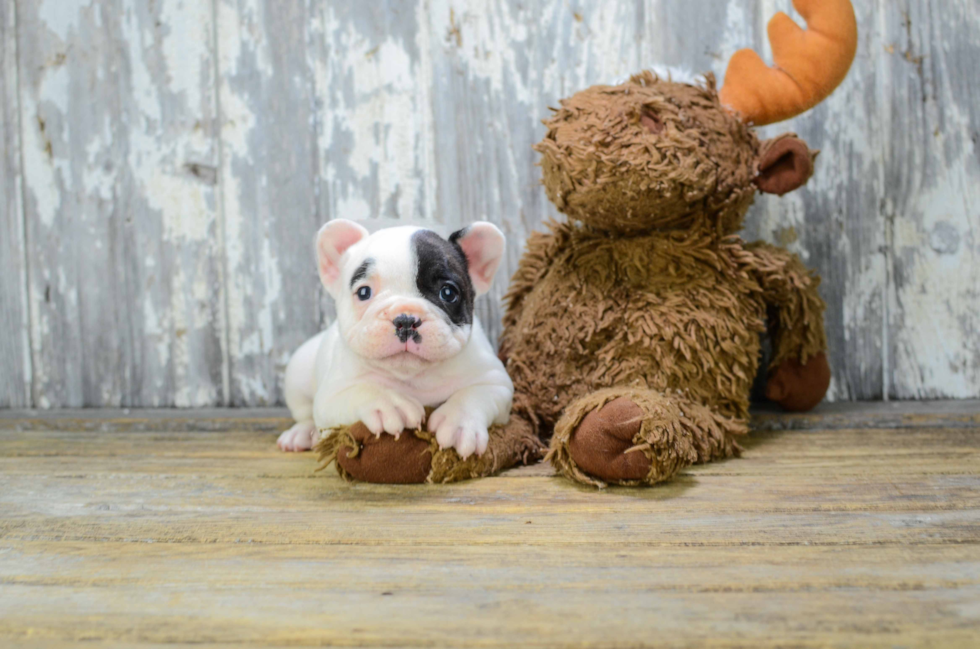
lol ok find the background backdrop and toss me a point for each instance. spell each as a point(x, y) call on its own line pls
point(166, 164)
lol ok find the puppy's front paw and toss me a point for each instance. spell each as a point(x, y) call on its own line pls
point(388, 412)
point(456, 429)
point(300, 437)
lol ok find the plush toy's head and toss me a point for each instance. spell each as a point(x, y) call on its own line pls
point(656, 154)
point(648, 154)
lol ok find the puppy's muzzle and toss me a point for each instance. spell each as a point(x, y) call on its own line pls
point(406, 326)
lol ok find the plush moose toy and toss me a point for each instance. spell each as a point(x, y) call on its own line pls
point(632, 332)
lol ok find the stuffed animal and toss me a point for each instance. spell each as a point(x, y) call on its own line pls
point(632, 332)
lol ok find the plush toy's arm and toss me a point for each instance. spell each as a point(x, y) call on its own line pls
point(538, 254)
point(796, 310)
point(799, 374)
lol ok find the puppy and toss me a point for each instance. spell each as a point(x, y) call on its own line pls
point(405, 338)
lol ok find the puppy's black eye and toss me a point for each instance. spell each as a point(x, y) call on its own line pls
point(364, 293)
point(448, 293)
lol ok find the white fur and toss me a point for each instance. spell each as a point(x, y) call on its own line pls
point(358, 370)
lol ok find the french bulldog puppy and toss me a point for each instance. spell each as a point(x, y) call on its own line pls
point(405, 338)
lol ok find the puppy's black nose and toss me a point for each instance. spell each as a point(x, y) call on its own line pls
point(405, 327)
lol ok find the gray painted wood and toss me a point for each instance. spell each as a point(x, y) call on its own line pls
point(118, 110)
point(932, 199)
point(269, 182)
point(179, 157)
point(15, 367)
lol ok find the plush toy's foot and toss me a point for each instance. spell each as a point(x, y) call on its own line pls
point(385, 459)
point(415, 457)
point(633, 436)
point(798, 387)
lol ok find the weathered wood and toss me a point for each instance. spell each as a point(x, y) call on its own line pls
point(183, 154)
point(866, 538)
point(118, 110)
point(881, 414)
point(211, 419)
point(15, 360)
point(759, 597)
point(931, 202)
point(936, 452)
point(374, 91)
point(269, 183)
point(827, 416)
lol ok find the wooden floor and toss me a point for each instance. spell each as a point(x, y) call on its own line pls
point(856, 526)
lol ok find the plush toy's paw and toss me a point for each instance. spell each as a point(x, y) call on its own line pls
point(301, 437)
point(600, 444)
point(385, 459)
point(634, 436)
point(389, 412)
point(797, 387)
point(415, 456)
point(457, 429)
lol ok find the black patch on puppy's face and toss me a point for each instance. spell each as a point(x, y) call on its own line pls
point(441, 263)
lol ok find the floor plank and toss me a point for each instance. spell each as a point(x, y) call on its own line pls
point(820, 535)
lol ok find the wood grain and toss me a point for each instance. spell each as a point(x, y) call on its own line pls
point(932, 200)
point(117, 114)
point(860, 537)
point(269, 178)
point(15, 359)
point(184, 155)
point(963, 414)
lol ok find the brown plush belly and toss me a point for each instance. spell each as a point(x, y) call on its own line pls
point(699, 337)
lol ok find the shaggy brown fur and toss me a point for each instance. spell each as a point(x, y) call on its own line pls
point(648, 153)
point(649, 298)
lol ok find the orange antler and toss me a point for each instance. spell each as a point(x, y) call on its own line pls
point(809, 63)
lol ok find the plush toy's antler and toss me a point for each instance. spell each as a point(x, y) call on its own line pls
point(809, 63)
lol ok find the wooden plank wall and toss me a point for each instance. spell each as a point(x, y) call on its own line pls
point(167, 163)
point(15, 372)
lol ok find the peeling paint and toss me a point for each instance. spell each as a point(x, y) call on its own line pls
point(375, 122)
point(58, 18)
point(179, 157)
point(938, 347)
point(114, 219)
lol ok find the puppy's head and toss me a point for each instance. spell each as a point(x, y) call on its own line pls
point(405, 295)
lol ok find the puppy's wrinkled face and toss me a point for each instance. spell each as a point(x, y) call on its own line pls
point(409, 297)
point(405, 295)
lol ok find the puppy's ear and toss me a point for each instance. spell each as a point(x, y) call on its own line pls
point(483, 245)
point(332, 241)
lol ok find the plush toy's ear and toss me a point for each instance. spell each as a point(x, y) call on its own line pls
point(483, 245)
point(784, 165)
point(332, 241)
